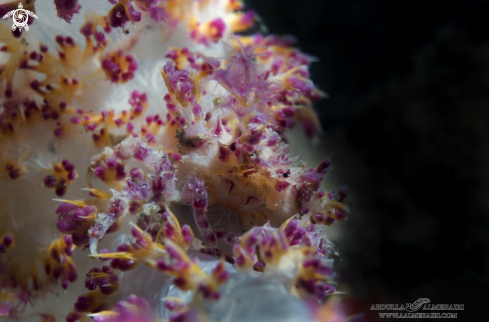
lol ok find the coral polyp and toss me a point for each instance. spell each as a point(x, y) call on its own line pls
point(148, 137)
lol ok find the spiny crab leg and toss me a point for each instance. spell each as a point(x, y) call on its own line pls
point(194, 193)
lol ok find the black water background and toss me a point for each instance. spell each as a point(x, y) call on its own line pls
point(408, 122)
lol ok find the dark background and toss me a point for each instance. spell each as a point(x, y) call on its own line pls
point(408, 121)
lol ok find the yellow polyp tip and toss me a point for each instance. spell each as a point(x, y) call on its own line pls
point(286, 223)
point(321, 277)
point(337, 204)
point(321, 93)
point(174, 218)
point(247, 118)
point(119, 255)
point(133, 224)
point(338, 293)
point(104, 313)
point(293, 70)
point(80, 203)
point(172, 298)
point(97, 192)
point(97, 275)
point(23, 156)
point(89, 217)
point(149, 262)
